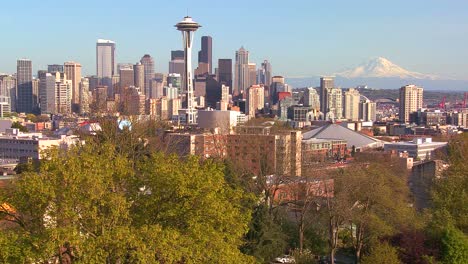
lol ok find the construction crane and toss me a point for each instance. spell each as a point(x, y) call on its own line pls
point(464, 99)
point(442, 103)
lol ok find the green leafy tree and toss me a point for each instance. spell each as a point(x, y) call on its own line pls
point(265, 239)
point(193, 199)
point(382, 253)
point(454, 246)
point(372, 199)
point(92, 204)
point(31, 117)
point(450, 194)
point(19, 126)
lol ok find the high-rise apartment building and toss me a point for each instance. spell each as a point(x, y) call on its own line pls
point(224, 93)
point(8, 91)
point(255, 100)
point(367, 111)
point(157, 88)
point(85, 97)
point(241, 72)
point(73, 72)
point(225, 72)
point(148, 63)
point(24, 86)
point(312, 98)
point(411, 99)
point(63, 96)
point(325, 84)
point(205, 54)
point(334, 104)
point(174, 80)
point(351, 104)
point(171, 92)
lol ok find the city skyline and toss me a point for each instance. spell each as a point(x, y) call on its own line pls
point(358, 30)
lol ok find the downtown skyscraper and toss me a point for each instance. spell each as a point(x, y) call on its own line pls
point(241, 72)
point(225, 72)
point(24, 86)
point(205, 54)
point(264, 74)
point(106, 65)
point(73, 73)
point(326, 83)
point(139, 75)
point(148, 63)
point(47, 92)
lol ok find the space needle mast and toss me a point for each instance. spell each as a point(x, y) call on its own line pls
point(187, 26)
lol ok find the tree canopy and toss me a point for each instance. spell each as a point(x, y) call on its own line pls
point(92, 205)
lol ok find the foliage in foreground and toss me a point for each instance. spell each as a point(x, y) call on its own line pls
point(92, 205)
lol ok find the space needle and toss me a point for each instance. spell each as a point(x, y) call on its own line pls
point(187, 26)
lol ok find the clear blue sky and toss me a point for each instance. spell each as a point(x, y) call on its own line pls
point(300, 38)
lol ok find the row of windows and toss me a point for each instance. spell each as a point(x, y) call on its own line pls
point(23, 142)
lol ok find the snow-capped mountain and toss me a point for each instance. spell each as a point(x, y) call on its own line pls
point(382, 68)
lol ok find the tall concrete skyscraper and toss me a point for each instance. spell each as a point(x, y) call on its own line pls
point(139, 77)
point(188, 27)
point(47, 92)
point(205, 54)
point(127, 79)
point(225, 72)
point(24, 86)
point(241, 72)
point(73, 72)
point(264, 73)
point(106, 64)
point(325, 84)
point(252, 74)
point(411, 99)
point(351, 104)
point(148, 63)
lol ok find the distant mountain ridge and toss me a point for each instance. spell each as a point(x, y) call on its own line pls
point(380, 67)
point(381, 73)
